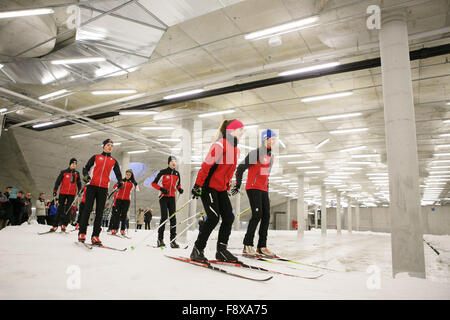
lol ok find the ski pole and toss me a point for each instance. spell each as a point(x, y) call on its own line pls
point(185, 229)
point(194, 216)
point(243, 211)
point(162, 224)
point(75, 199)
point(135, 217)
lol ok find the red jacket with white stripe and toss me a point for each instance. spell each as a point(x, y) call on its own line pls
point(259, 163)
point(218, 168)
point(170, 180)
point(102, 165)
point(68, 182)
point(124, 193)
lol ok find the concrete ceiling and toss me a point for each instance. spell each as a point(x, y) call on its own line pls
point(209, 51)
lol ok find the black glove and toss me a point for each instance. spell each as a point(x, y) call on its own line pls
point(196, 191)
point(120, 185)
point(235, 189)
point(54, 193)
point(86, 179)
point(164, 191)
point(180, 191)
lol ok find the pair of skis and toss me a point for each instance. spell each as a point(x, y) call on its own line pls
point(90, 246)
point(240, 264)
point(47, 232)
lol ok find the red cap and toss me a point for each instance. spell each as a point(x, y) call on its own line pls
point(236, 124)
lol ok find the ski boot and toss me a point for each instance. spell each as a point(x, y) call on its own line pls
point(160, 243)
point(53, 229)
point(82, 237)
point(249, 251)
point(96, 241)
point(122, 232)
point(77, 226)
point(113, 232)
point(266, 252)
point(223, 254)
point(174, 245)
point(198, 256)
point(63, 228)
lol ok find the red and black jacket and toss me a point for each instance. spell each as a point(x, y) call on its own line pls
point(218, 168)
point(68, 182)
point(83, 200)
point(259, 163)
point(170, 180)
point(124, 193)
point(103, 164)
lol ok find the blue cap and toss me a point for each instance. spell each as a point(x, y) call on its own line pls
point(267, 134)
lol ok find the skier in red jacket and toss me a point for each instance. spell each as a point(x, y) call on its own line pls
point(259, 163)
point(97, 189)
point(212, 185)
point(122, 203)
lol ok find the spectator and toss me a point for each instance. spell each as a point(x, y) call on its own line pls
point(7, 207)
point(41, 209)
point(140, 219)
point(148, 218)
point(27, 208)
point(3, 210)
point(106, 215)
point(18, 209)
point(52, 212)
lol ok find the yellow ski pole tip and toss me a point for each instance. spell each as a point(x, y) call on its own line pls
point(132, 248)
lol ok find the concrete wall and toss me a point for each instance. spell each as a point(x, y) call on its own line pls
point(435, 219)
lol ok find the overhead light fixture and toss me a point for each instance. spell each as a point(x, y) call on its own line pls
point(340, 116)
point(80, 135)
point(53, 94)
point(448, 120)
point(110, 92)
point(322, 143)
point(289, 156)
point(300, 162)
point(137, 151)
point(359, 162)
point(308, 69)
point(25, 13)
point(314, 172)
point(353, 149)
point(348, 130)
point(169, 139)
point(327, 96)
point(45, 124)
point(156, 128)
point(3, 110)
point(441, 154)
point(351, 168)
point(211, 114)
point(445, 134)
point(78, 60)
point(281, 29)
point(357, 156)
point(440, 167)
point(183, 94)
point(438, 172)
point(282, 144)
point(137, 113)
point(311, 167)
point(1, 66)
point(439, 161)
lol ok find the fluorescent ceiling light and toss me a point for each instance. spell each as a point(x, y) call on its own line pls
point(284, 28)
point(377, 174)
point(311, 167)
point(359, 162)
point(78, 60)
point(183, 94)
point(351, 168)
point(137, 151)
point(440, 167)
point(443, 146)
point(282, 143)
point(80, 135)
point(441, 154)
point(348, 130)
point(340, 116)
point(289, 156)
point(53, 94)
point(42, 124)
point(442, 176)
point(439, 161)
point(445, 134)
point(327, 96)
point(156, 128)
point(300, 162)
point(3, 110)
point(308, 69)
point(169, 139)
point(109, 92)
point(314, 172)
point(343, 173)
point(136, 113)
point(356, 156)
point(353, 149)
point(438, 172)
point(25, 13)
point(322, 143)
point(210, 114)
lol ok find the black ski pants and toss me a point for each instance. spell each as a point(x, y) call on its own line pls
point(217, 205)
point(97, 194)
point(167, 206)
point(62, 214)
point(119, 214)
point(260, 205)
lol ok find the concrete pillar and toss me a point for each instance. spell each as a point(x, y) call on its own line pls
point(357, 216)
point(125, 163)
point(401, 146)
point(305, 218)
point(349, 216)
point(338, 213)
point(237, 210)
point(184, 168)
point(323, 214)
point(316, 218)
point(288, 214)
point(300, 206)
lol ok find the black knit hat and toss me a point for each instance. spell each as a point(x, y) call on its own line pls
point(72, 161)
point(171, 158)
point(107, 141)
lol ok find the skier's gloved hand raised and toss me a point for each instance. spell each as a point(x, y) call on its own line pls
point(196, 191)
point(180, 190)
point(54, 193)
point(86, 179)
point(235, 189)
point(164, 191)
point(120, 185)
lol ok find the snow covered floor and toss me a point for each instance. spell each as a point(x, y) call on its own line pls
point(45, 267)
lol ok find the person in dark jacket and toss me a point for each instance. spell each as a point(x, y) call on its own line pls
point(3, 213)
point(27, 208)
point(169, 178)
point(52, 209)
point(259, 164)
point(212, 185)
point(69, 184)
point(18, 209)
point(148, 218)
